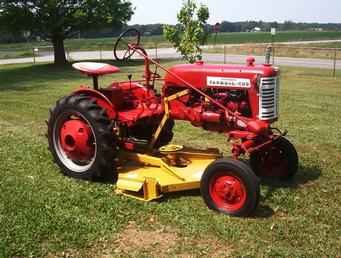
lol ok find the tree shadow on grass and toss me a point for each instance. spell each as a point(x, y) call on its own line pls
point(28, 77)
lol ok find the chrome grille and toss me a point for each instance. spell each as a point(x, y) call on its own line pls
point(268, 98)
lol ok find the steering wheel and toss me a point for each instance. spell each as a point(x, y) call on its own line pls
point(155, 76)
point(122, 49)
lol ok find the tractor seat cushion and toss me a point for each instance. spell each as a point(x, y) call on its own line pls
point(95, 69)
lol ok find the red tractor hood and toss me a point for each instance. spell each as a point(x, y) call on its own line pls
point(197, 73)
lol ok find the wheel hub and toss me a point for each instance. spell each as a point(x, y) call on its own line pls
point(228, 192)
point(76, 140)
point(228, 188)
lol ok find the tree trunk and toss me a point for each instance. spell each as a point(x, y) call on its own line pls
point(59, 50)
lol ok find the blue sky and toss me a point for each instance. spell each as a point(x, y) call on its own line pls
point(164, 11)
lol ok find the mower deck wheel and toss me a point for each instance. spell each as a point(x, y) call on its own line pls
point(229, 186)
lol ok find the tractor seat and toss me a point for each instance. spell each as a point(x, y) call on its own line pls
point(95, 69)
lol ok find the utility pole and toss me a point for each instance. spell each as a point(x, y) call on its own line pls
point(273, 34)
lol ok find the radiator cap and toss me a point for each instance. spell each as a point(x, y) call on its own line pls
point(250, 61)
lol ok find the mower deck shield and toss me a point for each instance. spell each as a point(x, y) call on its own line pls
point(147, 177)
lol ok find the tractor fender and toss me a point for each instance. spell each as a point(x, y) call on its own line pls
point(101, 100)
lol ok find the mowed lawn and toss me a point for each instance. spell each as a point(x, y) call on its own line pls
point(43, 213)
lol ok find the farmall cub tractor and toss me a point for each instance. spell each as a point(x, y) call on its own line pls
point(122, 131)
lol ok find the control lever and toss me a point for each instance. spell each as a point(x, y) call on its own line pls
point(129, 78)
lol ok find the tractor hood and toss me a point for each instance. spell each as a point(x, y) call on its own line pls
point(197, 74)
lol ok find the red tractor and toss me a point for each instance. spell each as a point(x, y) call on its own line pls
point(122, 131)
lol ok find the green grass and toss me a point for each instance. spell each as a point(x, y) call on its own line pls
point(43, 213)
point(15, 50)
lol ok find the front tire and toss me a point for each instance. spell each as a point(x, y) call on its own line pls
point(280, 160)
point(229, 186)
point(81, 140)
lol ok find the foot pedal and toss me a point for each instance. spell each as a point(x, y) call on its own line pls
point(134, 144)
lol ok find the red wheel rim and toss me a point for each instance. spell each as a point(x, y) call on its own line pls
point(76, 140)
point(227, 191)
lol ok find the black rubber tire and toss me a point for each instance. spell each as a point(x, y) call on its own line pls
point(103, 166)
point(243, 173)
point(287, 151)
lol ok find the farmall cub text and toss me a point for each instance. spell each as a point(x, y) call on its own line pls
point(122, 132)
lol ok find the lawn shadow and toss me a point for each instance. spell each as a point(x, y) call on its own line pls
point(26, 77)
point(180, 194)
point(304, 176)
point(263, 211)
point(29, 77)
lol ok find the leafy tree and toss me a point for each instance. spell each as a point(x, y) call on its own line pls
point(289, 25)
point(189, 34)
point(56, 20)
point(227, 26)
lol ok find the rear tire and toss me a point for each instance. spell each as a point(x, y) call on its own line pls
point(81, 139)
point(229, 186)
point(278, 160)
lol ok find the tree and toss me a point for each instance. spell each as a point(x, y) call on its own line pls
point(289, 25)
point(189, 33)
point(228, 26)
point(56, 20)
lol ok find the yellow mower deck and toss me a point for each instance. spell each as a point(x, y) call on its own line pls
point(175, 168)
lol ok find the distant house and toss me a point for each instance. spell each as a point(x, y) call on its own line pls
point(256, 29)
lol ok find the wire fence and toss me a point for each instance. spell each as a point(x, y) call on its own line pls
point(286, 55)
point(290, 55)
point(37, 54)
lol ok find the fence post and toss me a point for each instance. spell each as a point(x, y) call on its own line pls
point(100, 52)
point(334, 64)
point(224, 54)
point(34, 55)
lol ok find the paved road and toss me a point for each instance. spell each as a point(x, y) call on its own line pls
point(171, 53)
point(307, 42)
point(284, 61)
